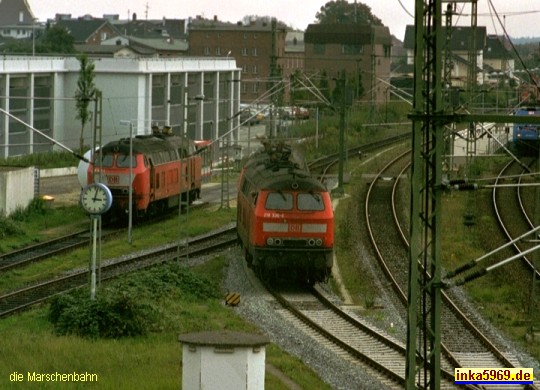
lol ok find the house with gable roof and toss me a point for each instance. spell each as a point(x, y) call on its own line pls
point(88, 30)
point(17, 20)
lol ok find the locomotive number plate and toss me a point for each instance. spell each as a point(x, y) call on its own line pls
point(113, 179)
point(295, 227)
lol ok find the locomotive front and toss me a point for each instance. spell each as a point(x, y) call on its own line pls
point(286, 222)
point(112, 167)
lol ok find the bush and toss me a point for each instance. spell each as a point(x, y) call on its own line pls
point(8, 227)
point(127, 306)
point(108, 316)
point(36, 207)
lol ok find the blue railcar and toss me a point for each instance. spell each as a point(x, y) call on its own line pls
point(526, 136)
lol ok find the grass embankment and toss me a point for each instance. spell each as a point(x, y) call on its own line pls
point(499, 296)
point(30, 343)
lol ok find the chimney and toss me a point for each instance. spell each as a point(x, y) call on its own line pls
point(215, 18)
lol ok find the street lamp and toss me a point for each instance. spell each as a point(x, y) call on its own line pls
point(130, 196)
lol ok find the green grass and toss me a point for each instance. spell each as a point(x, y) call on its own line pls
point(30, 344)
point(500, 296)
point(143, 236)
point(25, 227)
point(42, 160)
point(154, 361)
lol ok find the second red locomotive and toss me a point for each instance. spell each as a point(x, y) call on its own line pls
point(164, 167)
point(285, 220)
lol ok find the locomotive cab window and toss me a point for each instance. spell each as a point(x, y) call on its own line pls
point(279, 201)
point(310, 202)
point(123, 161)
point(106, 160)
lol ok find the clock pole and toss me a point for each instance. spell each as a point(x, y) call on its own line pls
point(94, 218)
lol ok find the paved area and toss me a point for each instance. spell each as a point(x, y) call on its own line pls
point(66, 191)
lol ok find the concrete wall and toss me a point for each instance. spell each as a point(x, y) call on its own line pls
point(229, 368)
point(16, 189)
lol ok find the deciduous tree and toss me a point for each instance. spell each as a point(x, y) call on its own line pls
point(341, 11)
point(84, 94)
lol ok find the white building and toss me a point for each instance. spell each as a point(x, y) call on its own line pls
point(195, 96)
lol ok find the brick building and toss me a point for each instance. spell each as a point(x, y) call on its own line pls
point(250, 44)
point(363, 51)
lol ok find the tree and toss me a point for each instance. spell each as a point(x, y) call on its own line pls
point(57, 40)
point(341, 11)
point(85, 93)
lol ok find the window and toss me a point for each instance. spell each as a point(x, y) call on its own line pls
point(107, 161)
point(254, 52)
point(176, 88)
point(279, 201)
point(319, 48)
point(218, 51)
point(310, 202)
point(158, 90)
point(244, 51)
point(244, 68)
point(206, 51)
point(255, 87)
point(123, 161)
point(255, 70)
point(352, 49)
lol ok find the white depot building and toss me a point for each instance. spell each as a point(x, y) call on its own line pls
point(199, 97)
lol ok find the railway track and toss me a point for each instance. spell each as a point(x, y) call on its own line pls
point(34, 253)
point(24, 298)
point(60, 245)
point(463, 343)
point(343, 332)
point(513, 203)
point(322, 165)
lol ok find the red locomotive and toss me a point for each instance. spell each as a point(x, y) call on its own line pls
point(285, 220)
point(164, 166)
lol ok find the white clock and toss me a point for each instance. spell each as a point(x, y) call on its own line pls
point(96, 198)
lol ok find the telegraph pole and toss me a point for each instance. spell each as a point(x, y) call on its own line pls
point(339, 191)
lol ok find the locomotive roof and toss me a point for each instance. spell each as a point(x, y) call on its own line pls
point(148, 144)
point(281, 175)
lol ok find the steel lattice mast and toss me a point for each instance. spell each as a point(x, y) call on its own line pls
point(424, 294)
point(431, 112)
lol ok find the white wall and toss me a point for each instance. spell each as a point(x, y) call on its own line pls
point(16, 189)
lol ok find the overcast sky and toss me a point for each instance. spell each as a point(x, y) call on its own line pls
point(521, 17)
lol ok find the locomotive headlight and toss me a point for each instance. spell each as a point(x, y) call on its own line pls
point(318, 242)
point(269, 241)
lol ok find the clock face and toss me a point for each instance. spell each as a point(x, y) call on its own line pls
point(96, 198)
